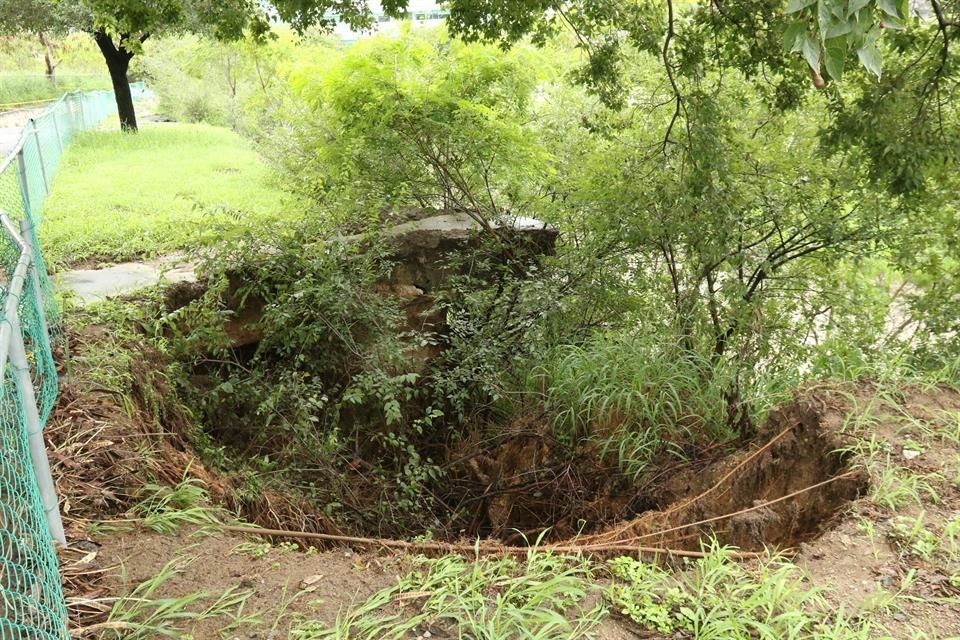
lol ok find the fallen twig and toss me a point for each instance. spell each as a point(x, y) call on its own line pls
point(102, 626)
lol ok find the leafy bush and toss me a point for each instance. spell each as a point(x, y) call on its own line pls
point(328, 380)
point(221, 83)
point(420, 120)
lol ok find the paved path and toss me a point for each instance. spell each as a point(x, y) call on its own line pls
point(93, 285)
point(11, 126)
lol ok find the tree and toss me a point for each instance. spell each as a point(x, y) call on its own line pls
point(40, 17)
point(120, 27)
point(760, 36)
point(421, 122)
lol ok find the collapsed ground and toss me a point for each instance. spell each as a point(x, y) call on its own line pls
point(889, 556)
point(161, 429)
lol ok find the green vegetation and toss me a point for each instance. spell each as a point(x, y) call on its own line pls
point(16, 90)
point(718, 598)
point(633, 397)
point(747, 198)
point(185, 186)
point(544, 596)
point(699, 276)
point(166, 509)
point(140, 614)
point(44, 68)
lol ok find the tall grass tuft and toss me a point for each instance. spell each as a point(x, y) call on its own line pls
point(634, 397)
point(488, 598)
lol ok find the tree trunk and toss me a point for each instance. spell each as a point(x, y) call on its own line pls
point(48, 55)
point(118, 61)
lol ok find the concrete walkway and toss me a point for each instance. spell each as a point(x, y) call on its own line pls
point(11, 127)
point(94, 285)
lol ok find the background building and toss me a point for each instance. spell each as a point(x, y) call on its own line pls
point(420, 12)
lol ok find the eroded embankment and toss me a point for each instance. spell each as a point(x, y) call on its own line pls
point(781, 489)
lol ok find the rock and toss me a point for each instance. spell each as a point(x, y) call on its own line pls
point(309, 584)
point(910, 454)
point(92, 285)
point(422, 248)
point(422, 244)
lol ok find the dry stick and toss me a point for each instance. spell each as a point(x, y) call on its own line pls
point(620, 546)
point(470, 548)
point(848, 474)
point(103, 626)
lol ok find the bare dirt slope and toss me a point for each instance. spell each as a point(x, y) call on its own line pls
point(288, 586)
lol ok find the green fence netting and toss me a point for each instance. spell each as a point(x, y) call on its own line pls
point(31, 596)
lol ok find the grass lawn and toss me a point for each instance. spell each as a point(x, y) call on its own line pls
point(168, 188)
point(18, 88)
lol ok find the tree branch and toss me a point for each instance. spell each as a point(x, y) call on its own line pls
point(678, 97)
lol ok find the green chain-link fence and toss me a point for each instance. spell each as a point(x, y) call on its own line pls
point(31, 597)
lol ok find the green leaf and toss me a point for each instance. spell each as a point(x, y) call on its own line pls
point(837, 8)
point(833, 21)
point(798, 5)
point(793, 36)
point(811, 51)
point(836, 28)
point(871, 58)
point(855, 6)
point(835, 54)
point(869, 54)
point(889, 7)
point(893, 22)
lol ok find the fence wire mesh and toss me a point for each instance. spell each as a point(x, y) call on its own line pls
point(31, 596)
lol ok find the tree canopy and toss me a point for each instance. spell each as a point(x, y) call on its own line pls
point(778, 42)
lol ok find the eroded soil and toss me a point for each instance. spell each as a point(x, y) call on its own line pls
point(816, 480)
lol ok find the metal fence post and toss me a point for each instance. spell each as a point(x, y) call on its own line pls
point(38, 449)
point(26, 232)
point(56, 131)
point(24, 185)
point(43, 168)
point(11, 338)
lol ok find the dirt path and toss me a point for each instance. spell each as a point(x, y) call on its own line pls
point(287, 586)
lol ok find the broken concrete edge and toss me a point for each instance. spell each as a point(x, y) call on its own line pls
point(417, 237)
